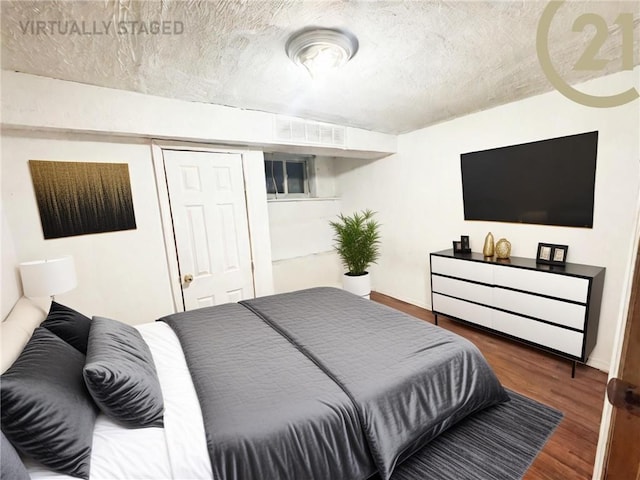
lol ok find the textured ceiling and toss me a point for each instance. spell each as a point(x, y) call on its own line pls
point(419, 63)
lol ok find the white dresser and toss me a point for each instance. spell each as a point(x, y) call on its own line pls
point(551, 307)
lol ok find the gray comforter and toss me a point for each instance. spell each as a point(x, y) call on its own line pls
point(320, 384)
point(269, 413)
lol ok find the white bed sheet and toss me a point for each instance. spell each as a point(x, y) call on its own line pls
point(177, 451)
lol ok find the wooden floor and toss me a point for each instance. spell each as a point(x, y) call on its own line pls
point(570, 452)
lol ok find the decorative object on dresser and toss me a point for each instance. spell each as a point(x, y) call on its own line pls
point(464, 240)
point(488, 248)
point(551, 254)
point(462, 245)
point(357, 241)
point(503, 249)
point(556, 309)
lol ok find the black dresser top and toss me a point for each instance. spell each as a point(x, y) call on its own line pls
point(572, 269)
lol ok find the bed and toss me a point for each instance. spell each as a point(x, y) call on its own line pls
point(314, 384)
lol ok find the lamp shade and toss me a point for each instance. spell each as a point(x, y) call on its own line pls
point(43, 278)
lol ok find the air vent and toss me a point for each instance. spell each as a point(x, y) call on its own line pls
point(326, 134)
point(338, 136)
point(295, 130)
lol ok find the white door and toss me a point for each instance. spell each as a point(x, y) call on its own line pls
point(208, 209)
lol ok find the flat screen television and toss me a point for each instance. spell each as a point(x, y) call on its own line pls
point(549, 182)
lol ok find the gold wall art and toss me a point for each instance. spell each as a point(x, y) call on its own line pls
point(78, 198)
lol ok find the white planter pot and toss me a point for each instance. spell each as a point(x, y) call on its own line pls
point(360, 285)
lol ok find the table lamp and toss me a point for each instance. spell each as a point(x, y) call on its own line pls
point(42, 278)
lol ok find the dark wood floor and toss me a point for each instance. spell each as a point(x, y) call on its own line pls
point(570, 452)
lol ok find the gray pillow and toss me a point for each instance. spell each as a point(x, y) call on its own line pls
point(11, 466)
point(46, 410)
point(71, 326)
point(121, 376)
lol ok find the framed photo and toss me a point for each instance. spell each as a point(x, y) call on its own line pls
point(464, 240)
point(462, 245)
point(560, 254)
point(544, 252)
point(551, 254)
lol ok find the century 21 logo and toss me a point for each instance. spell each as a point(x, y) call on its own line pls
point(588, 60)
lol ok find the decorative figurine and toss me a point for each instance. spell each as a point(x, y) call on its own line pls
point(488, 249)
point(503, 248)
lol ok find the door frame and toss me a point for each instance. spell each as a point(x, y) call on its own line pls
point(606, 424)
point(257, 214)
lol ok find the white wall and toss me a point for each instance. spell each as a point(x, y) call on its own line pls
point(302, 245)
point(258, 217)
point(316, 270)
point(301, 238)
point(418, 194)
point(10, 277)
point(324, 177)
point(301, 227)
point(123, 274)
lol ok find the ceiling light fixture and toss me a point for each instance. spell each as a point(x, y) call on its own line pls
point(321, 50)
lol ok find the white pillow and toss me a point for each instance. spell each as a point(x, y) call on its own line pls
point(17, 329)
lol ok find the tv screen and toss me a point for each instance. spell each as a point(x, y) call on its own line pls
point(549, 182)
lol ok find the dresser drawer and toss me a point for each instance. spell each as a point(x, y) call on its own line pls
point(470, 312)
point(560, 286)
point(557, 338)
point(556, 311)
point(465, 269)
point(462, 290)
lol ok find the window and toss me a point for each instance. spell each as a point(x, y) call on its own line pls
point(287, 175)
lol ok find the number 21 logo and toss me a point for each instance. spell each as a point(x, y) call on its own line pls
point(589, 59)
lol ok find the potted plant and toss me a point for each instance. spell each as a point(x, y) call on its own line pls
point(357, 241)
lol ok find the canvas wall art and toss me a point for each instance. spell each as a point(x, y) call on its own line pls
point(78, 198)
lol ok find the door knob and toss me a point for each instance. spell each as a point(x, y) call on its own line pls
point(622, 394)
point(188, 278)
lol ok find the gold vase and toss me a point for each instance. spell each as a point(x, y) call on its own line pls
point(488, 249)
point(503, 248)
